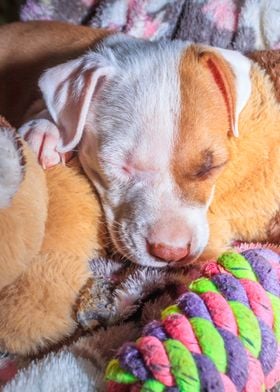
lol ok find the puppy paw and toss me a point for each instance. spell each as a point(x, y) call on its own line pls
point(43, 137)
point(115, 291)
point(95, 305)
point(11, 165)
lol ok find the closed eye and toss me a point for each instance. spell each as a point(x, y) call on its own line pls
point(205, 171)
point(139, 171)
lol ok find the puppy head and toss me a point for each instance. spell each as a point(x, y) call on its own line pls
point(153, 120)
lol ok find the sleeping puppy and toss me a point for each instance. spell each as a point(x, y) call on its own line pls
point(181, 142)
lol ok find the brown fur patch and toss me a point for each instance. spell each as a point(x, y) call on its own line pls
point(247, 192)
point(201, 146)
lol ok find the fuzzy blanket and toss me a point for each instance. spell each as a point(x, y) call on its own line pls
point(237, 24)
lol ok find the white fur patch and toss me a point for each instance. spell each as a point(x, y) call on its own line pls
point(241, 67)
point(59, 372)
point(135, 118)
point(11, 170)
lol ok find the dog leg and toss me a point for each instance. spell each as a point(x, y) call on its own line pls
point(23, 206)
point(36, 310)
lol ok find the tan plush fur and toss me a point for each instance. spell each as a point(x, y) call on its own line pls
point(21, 228)
point(51, 230)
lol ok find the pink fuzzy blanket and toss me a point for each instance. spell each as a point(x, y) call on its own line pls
point(237, 24)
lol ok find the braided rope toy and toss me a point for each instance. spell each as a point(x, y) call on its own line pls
point(223, 334)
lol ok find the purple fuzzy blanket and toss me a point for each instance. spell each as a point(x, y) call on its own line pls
point(237, 24)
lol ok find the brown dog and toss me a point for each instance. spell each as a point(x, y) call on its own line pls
point(181, 142)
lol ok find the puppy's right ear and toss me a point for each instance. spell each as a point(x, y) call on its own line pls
point(231, 72)
point(69, 89)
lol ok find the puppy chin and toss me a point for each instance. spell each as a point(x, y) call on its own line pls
point(188, 261)
point(148, 261)
point(134, 249)
point(141, 257)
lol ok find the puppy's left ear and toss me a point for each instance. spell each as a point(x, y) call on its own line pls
point(69, 89)
point(231, 72)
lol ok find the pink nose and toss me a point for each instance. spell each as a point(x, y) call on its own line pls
point(168, 253)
